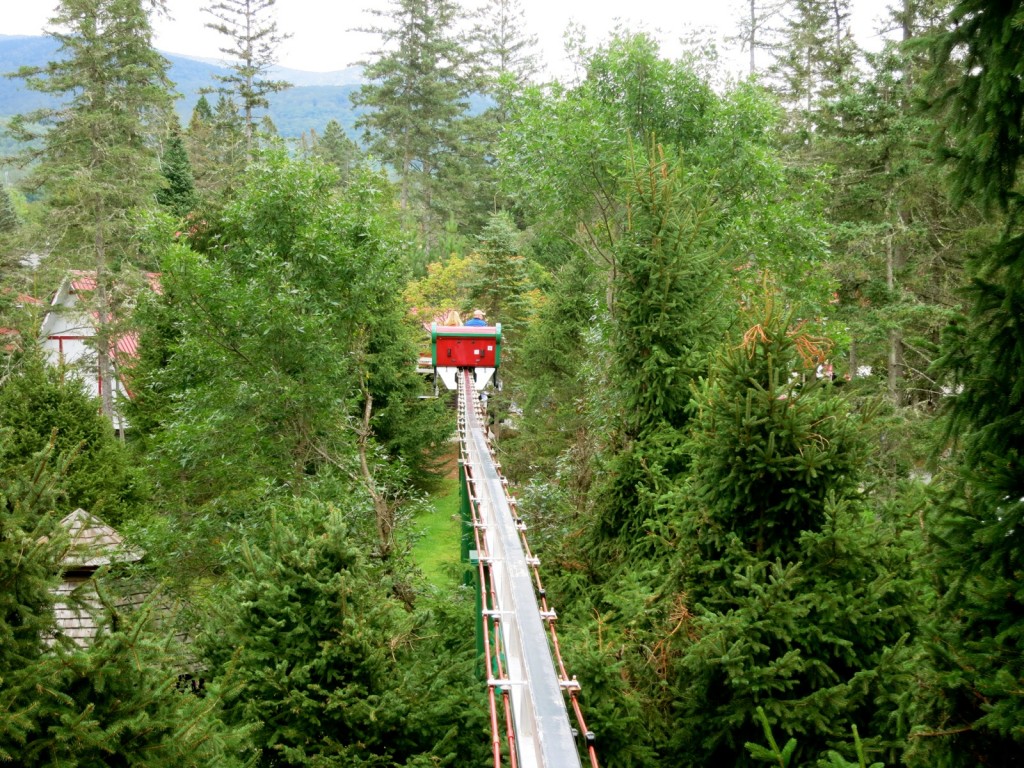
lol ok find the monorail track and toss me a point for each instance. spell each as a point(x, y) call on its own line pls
point(526, 677)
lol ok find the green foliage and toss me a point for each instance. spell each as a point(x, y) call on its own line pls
point(970, 709)
point(267, 353)
point(97, 165)
point(415, 95)
point(115, 703)
point(8, 216)
point(498, 282)
point(335, 148)
point(179, 196)
point(252, 39)
point(798, 602)
point(984, 110)
point(115, 86)
point(39, 406)
point(30, 550)
point(335, 670)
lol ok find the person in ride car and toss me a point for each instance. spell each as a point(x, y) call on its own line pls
point(477, 318)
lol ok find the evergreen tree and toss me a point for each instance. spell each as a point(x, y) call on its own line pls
point(971, 713)
point(252, 48)
point(332, 666)
point(508, 55)
point(338, 150)
point(417, 90)
point(667, 315)
point(8, 216)
point(897, 282)
point(112, 703)
point(817, 56)
point(97, 162)
point(228, 148)
point(40, 407)
point(204, 154)
point(790, 597)
point(179, 196)
point(116, 703)
point(760, 28)
point(498, 282)
point(29, 566)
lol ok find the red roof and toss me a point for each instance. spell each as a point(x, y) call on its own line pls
point(127, 345)
point(85, 280)
point(82, 280)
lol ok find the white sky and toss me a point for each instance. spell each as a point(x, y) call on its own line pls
point(322, 41)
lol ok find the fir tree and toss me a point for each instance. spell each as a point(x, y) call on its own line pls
point(97, 163)
point(972, 710)
point(252, 48)
point(790, 597)
point(179, 196)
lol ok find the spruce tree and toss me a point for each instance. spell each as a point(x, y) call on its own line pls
point(253, 41)
point(971, 710)
point(499, 281)
point(417, 91)
point(667, 315)
point(791, 597)
point(338, 150)
point(97, 162)
point(40, 407)
point(179, 196)
point(329, 663)
point(8, 216)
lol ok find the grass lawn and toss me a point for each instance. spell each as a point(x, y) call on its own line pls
point(436, 552)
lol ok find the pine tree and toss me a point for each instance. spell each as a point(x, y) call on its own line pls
point(252, 48)
point(97, 161)
point(30, 552)
point(38, 407)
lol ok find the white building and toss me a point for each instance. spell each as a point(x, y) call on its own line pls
point(68, 330)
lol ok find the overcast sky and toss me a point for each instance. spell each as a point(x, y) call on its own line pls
point(322, 41)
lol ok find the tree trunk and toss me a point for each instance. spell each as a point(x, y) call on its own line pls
point(104, 364)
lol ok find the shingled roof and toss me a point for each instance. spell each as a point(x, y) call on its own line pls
point(92, 543)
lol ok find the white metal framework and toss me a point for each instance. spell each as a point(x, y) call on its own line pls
point(516, 625)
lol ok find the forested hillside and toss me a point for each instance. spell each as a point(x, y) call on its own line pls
point(761, 397)
point(315, 99)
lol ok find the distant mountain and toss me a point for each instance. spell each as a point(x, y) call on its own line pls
point(317, 97)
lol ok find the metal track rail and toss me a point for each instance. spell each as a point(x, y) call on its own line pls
point(519, 662)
